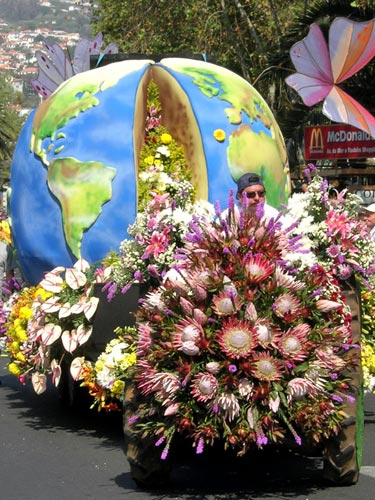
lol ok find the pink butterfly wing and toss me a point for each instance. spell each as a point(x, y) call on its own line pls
point(310, 56)
point(340, 107)
point(310, 89)
point(351, 46)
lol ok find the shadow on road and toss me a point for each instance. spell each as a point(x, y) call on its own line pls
point(272, 473)
point(47, 411)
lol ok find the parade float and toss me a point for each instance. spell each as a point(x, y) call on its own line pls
point(247, 331)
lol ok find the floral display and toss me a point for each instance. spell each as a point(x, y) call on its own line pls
point(50, 320)
point(239, 346)
point(368, 339)
point(5, 234)
point(104, 377)
point(332, 230)
point(162, 160)
point(157, 232)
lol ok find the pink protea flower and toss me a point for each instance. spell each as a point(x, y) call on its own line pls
point(187, 330)
point(286, 305)
point(266, 367)
point(326, 358)
point(213, 367)
point(251, 312)
point(258, 268)
point(186, 305)
point(200, 317)
point(204, 387)
point(225, 304)
point(292, 343)
point(326, 305)
point(285, 280)
point(267, 334)
point(301, 387)
point(237, 339)
point(144, 339)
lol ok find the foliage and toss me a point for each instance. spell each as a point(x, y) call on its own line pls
point(10, 122)
point(237, 35)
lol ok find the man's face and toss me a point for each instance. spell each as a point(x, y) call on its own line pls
point(369, 218)
point(255, 194)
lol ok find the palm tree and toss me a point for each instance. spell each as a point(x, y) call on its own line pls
point(10, 124)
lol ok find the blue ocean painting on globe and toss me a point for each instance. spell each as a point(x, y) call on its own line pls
point(75, 168)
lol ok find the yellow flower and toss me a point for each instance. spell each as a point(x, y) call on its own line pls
point(99, 365)
point(118, 386)
point(166, 138)
point(43, 294)
point(14, 346)
point(219, 135)
point(149, 160)
point(5, 232)
point(130, 359)
point(20, 357)
point(25, 313)
point(21, 334)
point(14, 369)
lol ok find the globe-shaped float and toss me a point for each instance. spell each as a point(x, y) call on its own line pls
point(75, 168)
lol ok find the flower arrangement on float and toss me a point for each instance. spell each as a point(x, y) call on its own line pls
point(49, 320)
point(339, 240)
point(238, 345)
point(332, 230)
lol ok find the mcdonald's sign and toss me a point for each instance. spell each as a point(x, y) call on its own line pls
point(337, 141)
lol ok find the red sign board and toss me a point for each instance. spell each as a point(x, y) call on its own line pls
point(324, 142)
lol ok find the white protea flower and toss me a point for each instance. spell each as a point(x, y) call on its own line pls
point(228, 405)
point(245, 388)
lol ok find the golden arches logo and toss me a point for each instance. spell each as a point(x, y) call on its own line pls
point(316, 141)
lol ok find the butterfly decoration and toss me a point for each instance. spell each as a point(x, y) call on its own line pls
point(55, 66)
point(321, 68)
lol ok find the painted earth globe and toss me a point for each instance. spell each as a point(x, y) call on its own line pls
point(75, 168)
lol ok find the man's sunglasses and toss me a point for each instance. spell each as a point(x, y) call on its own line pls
point(252, 194)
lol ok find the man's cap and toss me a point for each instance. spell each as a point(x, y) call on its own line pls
point(247, 180)
point(369, 208)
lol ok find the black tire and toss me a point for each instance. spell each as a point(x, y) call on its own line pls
point(147, 469)
point(343, 453)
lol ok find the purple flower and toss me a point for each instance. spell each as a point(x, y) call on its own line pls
point(232, 368)
point(337, 398)
point(231, 200)
point(160, 441)
point(138, 276)
point(132, 419)
point(217, 208)
point(333, 251)
point(200, 446)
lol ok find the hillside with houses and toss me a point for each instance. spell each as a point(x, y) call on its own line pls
point(24, 24)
